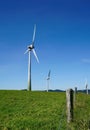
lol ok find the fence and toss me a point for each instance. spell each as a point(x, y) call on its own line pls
point(77, 112)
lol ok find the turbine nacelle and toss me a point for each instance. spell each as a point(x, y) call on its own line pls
point(48, 78)
point(30, 47)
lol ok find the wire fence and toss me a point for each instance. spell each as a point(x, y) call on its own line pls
point(81, 120)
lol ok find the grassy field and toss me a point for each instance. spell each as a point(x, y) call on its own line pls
point(23, 110)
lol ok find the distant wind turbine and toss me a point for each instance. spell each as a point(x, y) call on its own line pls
point(48, 79)
point(86, 85)
point(30, 49)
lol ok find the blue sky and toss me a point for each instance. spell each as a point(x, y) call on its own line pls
point(62, 43)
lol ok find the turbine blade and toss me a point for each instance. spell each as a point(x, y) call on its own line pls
point(86, 83)
point(48, 77)
point(49, 73)
point(35, 55)
point(34, 34)
point(26, 51)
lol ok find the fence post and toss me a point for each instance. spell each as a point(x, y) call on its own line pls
point(69, 99)
point(75, 89)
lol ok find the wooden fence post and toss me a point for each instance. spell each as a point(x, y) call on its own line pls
point(75, 89)
point(69, 99)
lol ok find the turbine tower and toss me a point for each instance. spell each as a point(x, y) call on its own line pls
point(86, 85)
point(48, 79)
point(29, 50)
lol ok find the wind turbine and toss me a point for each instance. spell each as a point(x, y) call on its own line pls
point(29, 50)
point(48, 79)
point(86, 85)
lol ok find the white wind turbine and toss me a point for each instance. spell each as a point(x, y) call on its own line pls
point(29, 50)
point(86, 85)
point(48, 79)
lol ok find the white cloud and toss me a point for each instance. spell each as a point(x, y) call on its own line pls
point(86, 60)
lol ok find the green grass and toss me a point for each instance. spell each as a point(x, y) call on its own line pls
point(23, 110)
point(82, 112)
